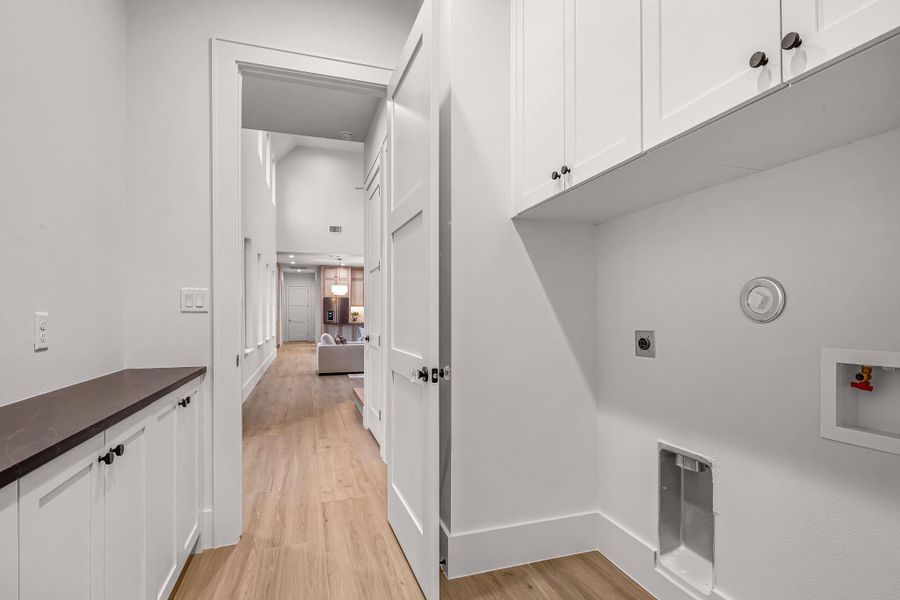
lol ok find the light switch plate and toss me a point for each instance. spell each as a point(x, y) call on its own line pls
point(194, 300)
point(41, 331)
point(645, 343)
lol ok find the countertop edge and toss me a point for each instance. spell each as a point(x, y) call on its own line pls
point(42, 457)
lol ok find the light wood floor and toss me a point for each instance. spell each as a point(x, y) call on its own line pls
point(315, 524)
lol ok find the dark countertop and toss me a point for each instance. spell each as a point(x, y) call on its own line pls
point(35, 431)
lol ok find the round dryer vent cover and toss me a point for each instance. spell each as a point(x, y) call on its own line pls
point(762, 299)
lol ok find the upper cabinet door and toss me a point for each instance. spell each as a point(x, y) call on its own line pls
point(697, 60)
point(603, 85)
point(825, 29)
point(540, 99)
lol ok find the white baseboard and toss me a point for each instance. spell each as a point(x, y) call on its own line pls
point(257, 375)
point(484, 550)
point(637, 559)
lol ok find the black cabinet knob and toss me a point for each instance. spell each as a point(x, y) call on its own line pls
point(791, 40)
point(107, 458)
point(118, 450)
point(565, 170)
point(367, 338)
point(555, 175)
point(184, 402)
point(759, 59)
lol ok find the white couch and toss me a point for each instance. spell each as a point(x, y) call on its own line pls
point(339, 358)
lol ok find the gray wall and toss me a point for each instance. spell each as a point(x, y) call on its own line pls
point(797, 516)
point(62, 192)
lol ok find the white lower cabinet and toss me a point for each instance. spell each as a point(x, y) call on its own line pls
point(816, 32)
point(61, 523)
point(112, 519)
point(128, 492)
point(162, 556)
point(188, 474)
point(9, 541)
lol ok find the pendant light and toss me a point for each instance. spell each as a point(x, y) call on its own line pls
point(337, 288)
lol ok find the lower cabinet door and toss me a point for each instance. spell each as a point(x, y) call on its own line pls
point(188, 490)
point(127, 488)
point(9, 541)
point(162, 556)
point(61, 523)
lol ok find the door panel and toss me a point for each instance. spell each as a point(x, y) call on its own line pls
point(188, 478)
point(540, 82)
point(61, 527)
point(162, 558)
point(829, 28)
point(299, 318)
point(412, 302)
point(603, 105)
point(126, 503)
point(374, 374)
point(696, 60)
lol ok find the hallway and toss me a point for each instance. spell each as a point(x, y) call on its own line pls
point(315, 515)
point(315, 522)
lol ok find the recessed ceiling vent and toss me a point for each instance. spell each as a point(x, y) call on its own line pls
point(335, 228)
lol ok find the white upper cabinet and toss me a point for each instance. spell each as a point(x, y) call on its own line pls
point(697, 59)
point(540, 98)
point(816, 31)
point(603, 86)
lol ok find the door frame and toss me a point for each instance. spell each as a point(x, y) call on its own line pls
point(229, 62)
point(311, 310)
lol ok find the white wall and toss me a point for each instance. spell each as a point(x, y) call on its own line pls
point(315, 300)
point(62, 191)
point(258, 223)
point(168, 174)
point(317, 187)
point(524, 443)
point(797, 516)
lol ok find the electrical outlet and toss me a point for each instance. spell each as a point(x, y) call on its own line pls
point(41, 331)
point(645, 344)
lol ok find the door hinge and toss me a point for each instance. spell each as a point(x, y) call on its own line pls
point(379, 414)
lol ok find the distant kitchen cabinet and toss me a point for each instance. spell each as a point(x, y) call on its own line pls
point(574, 118)
point(705, 57)
point(357, 287)
point(332, 276)
point(815, 32)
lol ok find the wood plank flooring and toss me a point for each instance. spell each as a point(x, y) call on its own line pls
point(315, 523)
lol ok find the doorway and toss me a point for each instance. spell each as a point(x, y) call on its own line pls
point(300, 314)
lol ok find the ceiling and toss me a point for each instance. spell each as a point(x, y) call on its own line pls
point(283, 143)
point(283, 105)
point(309, 261)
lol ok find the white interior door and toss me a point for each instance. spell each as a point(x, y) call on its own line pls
point(374, 371)
point(412, 303)
point(828, 28)
point(298, 313)
point(696, 58)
